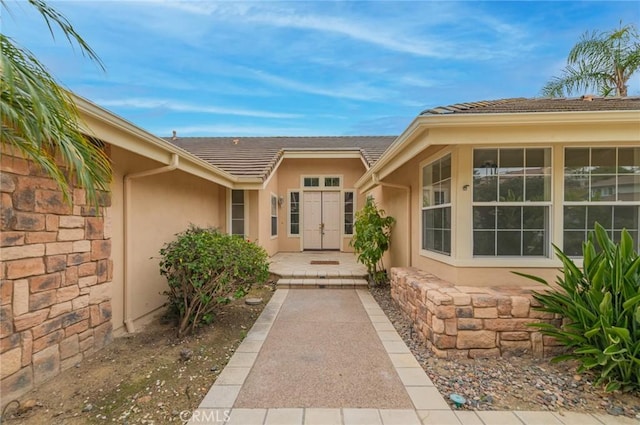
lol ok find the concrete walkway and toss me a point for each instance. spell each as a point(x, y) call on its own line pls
point(288, 371)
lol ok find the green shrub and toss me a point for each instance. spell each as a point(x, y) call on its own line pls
point(601, 306)
point(371, 239)
point(204, 267)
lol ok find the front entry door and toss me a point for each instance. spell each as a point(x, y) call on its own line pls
point(321, 220)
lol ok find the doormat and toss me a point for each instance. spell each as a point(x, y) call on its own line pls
point(326, 262)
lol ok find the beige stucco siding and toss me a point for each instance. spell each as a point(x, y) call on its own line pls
point(161, 206)
point(289, 177)
point(263, 220)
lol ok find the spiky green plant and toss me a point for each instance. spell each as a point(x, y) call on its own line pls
point(601, 305)
point(40, 120)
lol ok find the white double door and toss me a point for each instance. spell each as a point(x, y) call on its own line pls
point(321, 220)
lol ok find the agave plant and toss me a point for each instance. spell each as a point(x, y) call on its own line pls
point(601, 305)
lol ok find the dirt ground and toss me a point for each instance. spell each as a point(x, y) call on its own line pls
point(152, 377)
point(149, 377)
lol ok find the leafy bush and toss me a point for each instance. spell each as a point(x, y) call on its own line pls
point(371, 238)
point(203, 267)
point(601, 304)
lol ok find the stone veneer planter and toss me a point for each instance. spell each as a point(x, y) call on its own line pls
point(56, 272)
point(467, 321)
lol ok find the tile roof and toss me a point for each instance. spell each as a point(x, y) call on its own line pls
point(522, 105)
point(257, 156)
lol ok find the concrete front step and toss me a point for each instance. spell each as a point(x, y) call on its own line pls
point(314, 283)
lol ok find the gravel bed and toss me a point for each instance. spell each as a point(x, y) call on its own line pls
point(515, 383)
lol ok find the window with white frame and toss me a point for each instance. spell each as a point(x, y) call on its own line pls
point(436, 206)
point(601, 184)
point(349, 207)
point(237, 212)
point(274, 215)
point(311, 182)
point(511, 202)
point(294, 213)
point(321, 182)
point(332, 182)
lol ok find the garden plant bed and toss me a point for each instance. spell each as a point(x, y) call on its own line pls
point(149, 377)
point(514, 383)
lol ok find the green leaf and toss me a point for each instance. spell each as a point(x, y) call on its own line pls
point(621, 332)
point(592, 332)
point(613, 349)
point(612, 386)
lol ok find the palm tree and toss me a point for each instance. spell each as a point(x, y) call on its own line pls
point(603, 62)
point(40, 120)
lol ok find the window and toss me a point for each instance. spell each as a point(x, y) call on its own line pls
point(349, 205)
point(274, 215)
point(294, 213)
point(319, 182)
point(600, 185)
point(511, 201)
point(311, 182)
point(436, 206)
point(237, 212)
point(332, 182)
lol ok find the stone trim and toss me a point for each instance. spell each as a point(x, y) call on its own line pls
point(467, 321)
point(56, 272)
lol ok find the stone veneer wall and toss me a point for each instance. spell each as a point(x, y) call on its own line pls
point(55, 293)
point(471, 321)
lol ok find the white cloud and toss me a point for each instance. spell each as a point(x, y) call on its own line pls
point(168, 104)
point(356, 91)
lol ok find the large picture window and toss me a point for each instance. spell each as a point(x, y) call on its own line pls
point(511, 200)
point(600, 185)
point(436, 206)
point(274, 215)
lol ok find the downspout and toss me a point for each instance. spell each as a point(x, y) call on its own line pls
point(128, 319)
point(406, 188)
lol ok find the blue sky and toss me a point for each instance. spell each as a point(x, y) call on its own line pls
point(207, 68)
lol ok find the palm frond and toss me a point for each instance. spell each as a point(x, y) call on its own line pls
point(39, 118)
point(603, 62)
point(40, 121)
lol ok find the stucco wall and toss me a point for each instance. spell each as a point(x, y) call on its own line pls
point(160, 206)
point(289, 176)
point(262, 222)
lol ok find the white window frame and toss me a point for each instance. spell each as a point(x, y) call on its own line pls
point(321, 181)
point(524, 203)
point(344, 212)
point(423, 164)
point(246, 210)
point(273, 207)
point(289, 223)
point(590, 203)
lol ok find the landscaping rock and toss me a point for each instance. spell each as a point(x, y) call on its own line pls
point(253, 301)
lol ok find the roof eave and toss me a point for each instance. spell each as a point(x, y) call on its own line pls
point(146, 144)
point(424, 122)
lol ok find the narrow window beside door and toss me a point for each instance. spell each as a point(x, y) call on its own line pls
point(294, 213)
point(237, 212)
point(348, 212)
point(274, 215)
